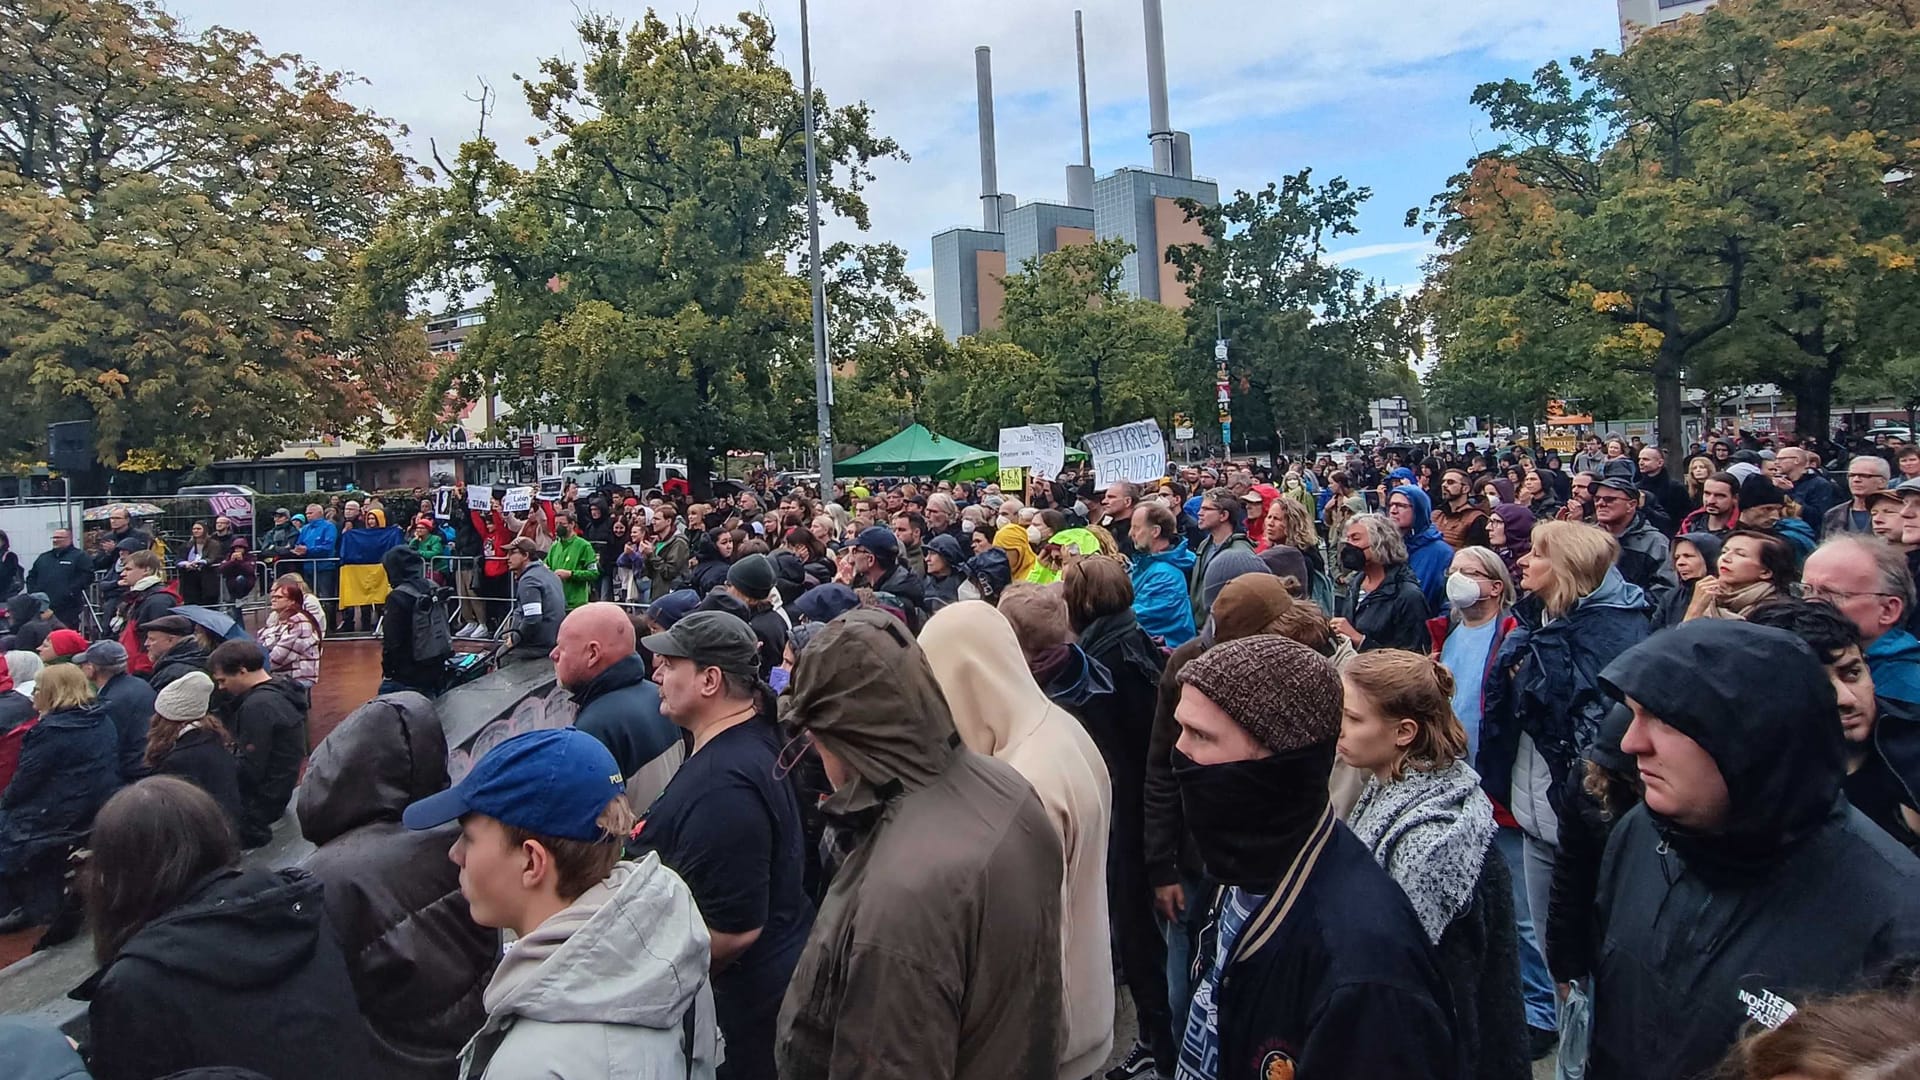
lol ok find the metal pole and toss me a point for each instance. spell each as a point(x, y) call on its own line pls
point(822, 374)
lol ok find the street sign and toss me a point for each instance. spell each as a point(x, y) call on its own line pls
point(1220, 350)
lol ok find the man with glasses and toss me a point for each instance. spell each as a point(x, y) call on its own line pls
point(1866, 474)
point(1646, 557)
point(729, 824)
point(1867, 579)
point(1220, 530)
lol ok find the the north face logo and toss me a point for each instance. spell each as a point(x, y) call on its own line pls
point(1766, 1007)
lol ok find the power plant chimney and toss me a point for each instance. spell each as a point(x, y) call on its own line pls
point(989, 179)
point(1080, 177)
point(1161, 129)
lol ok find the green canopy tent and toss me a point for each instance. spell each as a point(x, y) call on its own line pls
point(914, 452)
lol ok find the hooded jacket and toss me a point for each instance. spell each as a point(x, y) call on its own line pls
point(936, 951)
point(977, 660)
point(1674, 611)
point(1160, 598)
point(1518, 522)
point(69, 766)
point(612, 986)
point(269, 728)
point(406, 573)
point(1798, 895)
point(1894, 659)
point(416, 958)
point(139, 606)
point(1428, 554)
point(1546, 684)
point(245, 972)
point(1646, 560)
point(1393, 616)
point(576, 555)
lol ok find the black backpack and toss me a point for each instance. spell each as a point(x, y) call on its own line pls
point(432, 636)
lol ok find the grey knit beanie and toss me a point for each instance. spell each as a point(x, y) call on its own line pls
point(1286, 695)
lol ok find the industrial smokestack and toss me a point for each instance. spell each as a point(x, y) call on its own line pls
point(1080, 177)
point(1183, 155)
point(1080, 54)
point(1161, 129)
point(989, 178)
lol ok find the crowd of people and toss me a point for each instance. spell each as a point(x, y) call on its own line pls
point(1418, 763)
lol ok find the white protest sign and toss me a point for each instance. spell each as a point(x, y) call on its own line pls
point(479, 497)
point(518, 500)
point(1135, 452)
point(1039, 447)
point(1016, 447)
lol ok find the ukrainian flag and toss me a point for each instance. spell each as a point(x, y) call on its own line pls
point(362, 579)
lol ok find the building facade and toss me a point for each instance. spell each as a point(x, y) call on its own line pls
point(1637, 15)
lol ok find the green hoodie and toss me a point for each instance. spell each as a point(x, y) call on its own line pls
point(574, 553)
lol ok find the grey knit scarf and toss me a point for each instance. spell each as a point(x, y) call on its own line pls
point(1430, 831)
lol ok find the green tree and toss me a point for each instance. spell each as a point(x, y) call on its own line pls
point(989, 384)
point(1309, 339)
point(639, 290)
point(1723, 176)
point(182, 218)
point(1112, 351)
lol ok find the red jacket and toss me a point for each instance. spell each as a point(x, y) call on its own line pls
point(494, 539)
point(135, 610)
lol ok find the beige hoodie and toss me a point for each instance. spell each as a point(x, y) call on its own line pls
point(1001, 712)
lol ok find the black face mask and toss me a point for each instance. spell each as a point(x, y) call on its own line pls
point(1250, 818)
point(1353, 558)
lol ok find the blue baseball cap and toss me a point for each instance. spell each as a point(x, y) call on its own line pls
point(552, 783)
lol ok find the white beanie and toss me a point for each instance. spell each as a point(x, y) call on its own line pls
point(23, 666)
point(184, 699)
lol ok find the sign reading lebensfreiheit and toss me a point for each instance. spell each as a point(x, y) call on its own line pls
point(1135, 452)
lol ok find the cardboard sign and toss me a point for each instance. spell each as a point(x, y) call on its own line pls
point(518, 500)
point(1013, 482)
point(1135, 452)
point(1040, 447)
point(479, 497)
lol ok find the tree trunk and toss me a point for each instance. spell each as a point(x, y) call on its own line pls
point(1668, 433)
point(700, 474)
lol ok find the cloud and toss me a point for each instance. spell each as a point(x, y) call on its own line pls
point(1375, 90)
point(1375, 251)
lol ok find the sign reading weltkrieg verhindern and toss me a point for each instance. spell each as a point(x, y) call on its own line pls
point(1135, 452)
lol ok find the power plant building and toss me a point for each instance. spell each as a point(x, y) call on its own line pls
point(1139, 206)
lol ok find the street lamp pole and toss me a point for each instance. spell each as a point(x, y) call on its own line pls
point(822, 375)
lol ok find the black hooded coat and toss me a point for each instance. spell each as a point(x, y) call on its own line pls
point(1798, 894)
point(417, 960)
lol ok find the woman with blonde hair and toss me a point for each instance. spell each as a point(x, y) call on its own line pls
point(1429, 825)
point(69, 766)
point(1544, 704)
point(1700, 469)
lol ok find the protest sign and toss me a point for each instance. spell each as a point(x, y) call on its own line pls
point(518, 500)
point(1135, 452)
point(479, 497)
point(1040, 447)
point(1013, 481)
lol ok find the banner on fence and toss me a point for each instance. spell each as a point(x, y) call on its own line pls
point(1040, 447)
point(235, 508)
point(1135, 452)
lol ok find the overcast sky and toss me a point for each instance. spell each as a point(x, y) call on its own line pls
point(1373, 90)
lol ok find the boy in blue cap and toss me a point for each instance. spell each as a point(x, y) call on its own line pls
point(602, 942)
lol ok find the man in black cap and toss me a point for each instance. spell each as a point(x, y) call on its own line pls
point(730, 825)
point(277, 542)
point(876, 565)
point(1646, 557)
point(750, 580)
point(173, 648)
point(1745, 883)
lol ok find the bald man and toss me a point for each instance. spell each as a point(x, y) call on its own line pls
point(596, 659)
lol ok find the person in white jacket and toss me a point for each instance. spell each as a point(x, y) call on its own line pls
point(608, 976)
point(1001, 711)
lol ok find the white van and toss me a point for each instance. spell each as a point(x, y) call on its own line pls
point(627, 474)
